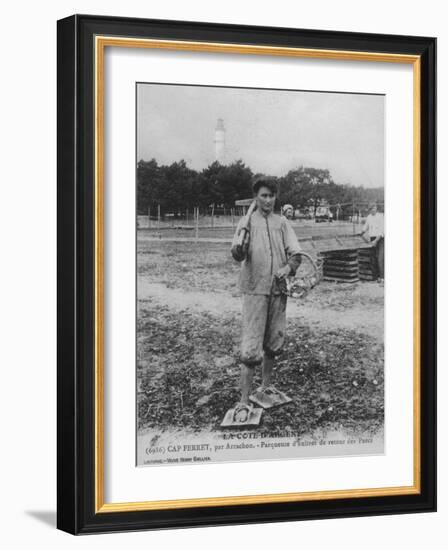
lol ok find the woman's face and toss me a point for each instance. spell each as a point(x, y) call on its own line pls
point(265, 200)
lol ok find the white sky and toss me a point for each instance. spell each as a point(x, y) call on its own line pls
point(271, 131)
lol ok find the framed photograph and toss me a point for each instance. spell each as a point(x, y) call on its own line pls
point(246, 274)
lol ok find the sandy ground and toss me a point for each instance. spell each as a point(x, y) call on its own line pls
point(189, 310)
point(325, 305)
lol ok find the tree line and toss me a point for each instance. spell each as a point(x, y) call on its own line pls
point(177, 187)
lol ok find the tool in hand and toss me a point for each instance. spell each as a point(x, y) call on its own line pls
point(243, 236)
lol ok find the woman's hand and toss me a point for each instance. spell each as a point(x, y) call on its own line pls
point(283, 272)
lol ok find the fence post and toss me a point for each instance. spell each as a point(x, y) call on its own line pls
point(158, 216)
point(232, 212)
point(197, 222)
point(353, 217)
point(149, 217)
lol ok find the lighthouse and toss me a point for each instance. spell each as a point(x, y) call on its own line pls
point(220, 141)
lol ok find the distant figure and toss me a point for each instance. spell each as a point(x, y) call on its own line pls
point(288, 211)
point(374, 227)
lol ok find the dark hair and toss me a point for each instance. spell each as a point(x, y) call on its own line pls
point(264, 181)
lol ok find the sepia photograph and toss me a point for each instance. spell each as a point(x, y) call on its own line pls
point(260, 231)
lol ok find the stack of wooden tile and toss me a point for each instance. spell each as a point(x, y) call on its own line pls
point(341, 266)
point(368, 268)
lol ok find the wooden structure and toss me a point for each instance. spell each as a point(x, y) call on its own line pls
point(343, 259)
point(341, 266)
point(368, 265)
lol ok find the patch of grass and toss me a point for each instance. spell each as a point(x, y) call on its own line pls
point(188, 375)
point(209, 267)
point(188, 266)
